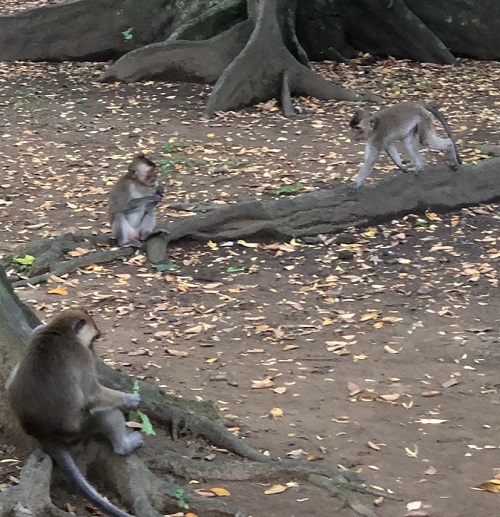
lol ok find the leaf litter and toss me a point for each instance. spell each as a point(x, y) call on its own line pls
point(392, 324)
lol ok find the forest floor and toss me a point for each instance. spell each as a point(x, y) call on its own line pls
point(387, 364)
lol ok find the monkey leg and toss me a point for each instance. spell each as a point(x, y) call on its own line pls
point(125, 235)
point(112, 425)
point(371, 154)
point(430, 139)
point(147, 224)
point(394, 155)
point(437, 143)
point(411, 143)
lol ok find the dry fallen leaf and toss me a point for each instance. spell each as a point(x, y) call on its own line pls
point(493, 485)
point(276, 412)
point(390, 397)
point(280, 390)
point(431, 421)
point(431, 393)
point(263, 383)
point(353, 388)
point(176, 353)
point(450, 383)
point(58, 290)
point(275, 489)
point(221, 492)
point(204, 493)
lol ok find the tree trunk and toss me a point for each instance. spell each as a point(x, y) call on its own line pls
point(466, 27)
point(423, 30)
point(85, 30)
point(390, 28)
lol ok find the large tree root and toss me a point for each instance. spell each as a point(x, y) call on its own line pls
point(310, 214)
point(150, 496)
point(50, 256)
point(392, 28)
point(194, 61)
point(54, 32)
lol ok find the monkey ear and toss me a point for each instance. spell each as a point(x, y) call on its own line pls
point(374, 122)
point(356, 119)
point(79, 325)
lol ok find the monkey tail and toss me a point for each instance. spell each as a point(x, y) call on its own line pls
point(68, 466)
point(433, 109)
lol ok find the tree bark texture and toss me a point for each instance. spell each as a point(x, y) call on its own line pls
point(85, 30)
point(423, 30)
point(467, 27)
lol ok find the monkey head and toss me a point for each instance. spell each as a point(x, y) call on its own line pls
point(143, 170)
point(81, 323)
point(362, 125)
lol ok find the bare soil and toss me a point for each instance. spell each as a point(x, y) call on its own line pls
point(358, 355)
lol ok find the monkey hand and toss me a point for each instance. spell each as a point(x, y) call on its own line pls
point(131, 400)
point(160, 191)
point(354, 186)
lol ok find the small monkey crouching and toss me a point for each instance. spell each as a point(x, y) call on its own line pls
point(132, 201)
point(58, 400)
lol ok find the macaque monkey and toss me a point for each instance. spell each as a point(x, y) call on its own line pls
point(132, 202)
point(409, 123)
point(55, 394)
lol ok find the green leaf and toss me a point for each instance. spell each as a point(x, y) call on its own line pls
point(128, 33)
point(27, 260)
point(236, 269)
point(147, 427)
point(287, 190)
point(171, 266)
point(135, 389)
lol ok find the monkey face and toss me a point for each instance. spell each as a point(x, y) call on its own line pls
point(358, 133)
point(85, 328)
point(358, 126)
point(146, 174)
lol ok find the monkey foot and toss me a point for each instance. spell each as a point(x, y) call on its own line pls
point(132, 244)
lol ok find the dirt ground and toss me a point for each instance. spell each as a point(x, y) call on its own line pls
point(387, 364)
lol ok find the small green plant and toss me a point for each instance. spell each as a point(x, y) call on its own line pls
point(236, 269)
point(171, 266)
point(127, 34)
point(287, 190)
point(82, 75)
point(236, 162)
point(139, 416)
point(173, 145)
point(28, 95)
point(27, 260)
point(423, 83)
point(182, 497)
point(23, 264)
